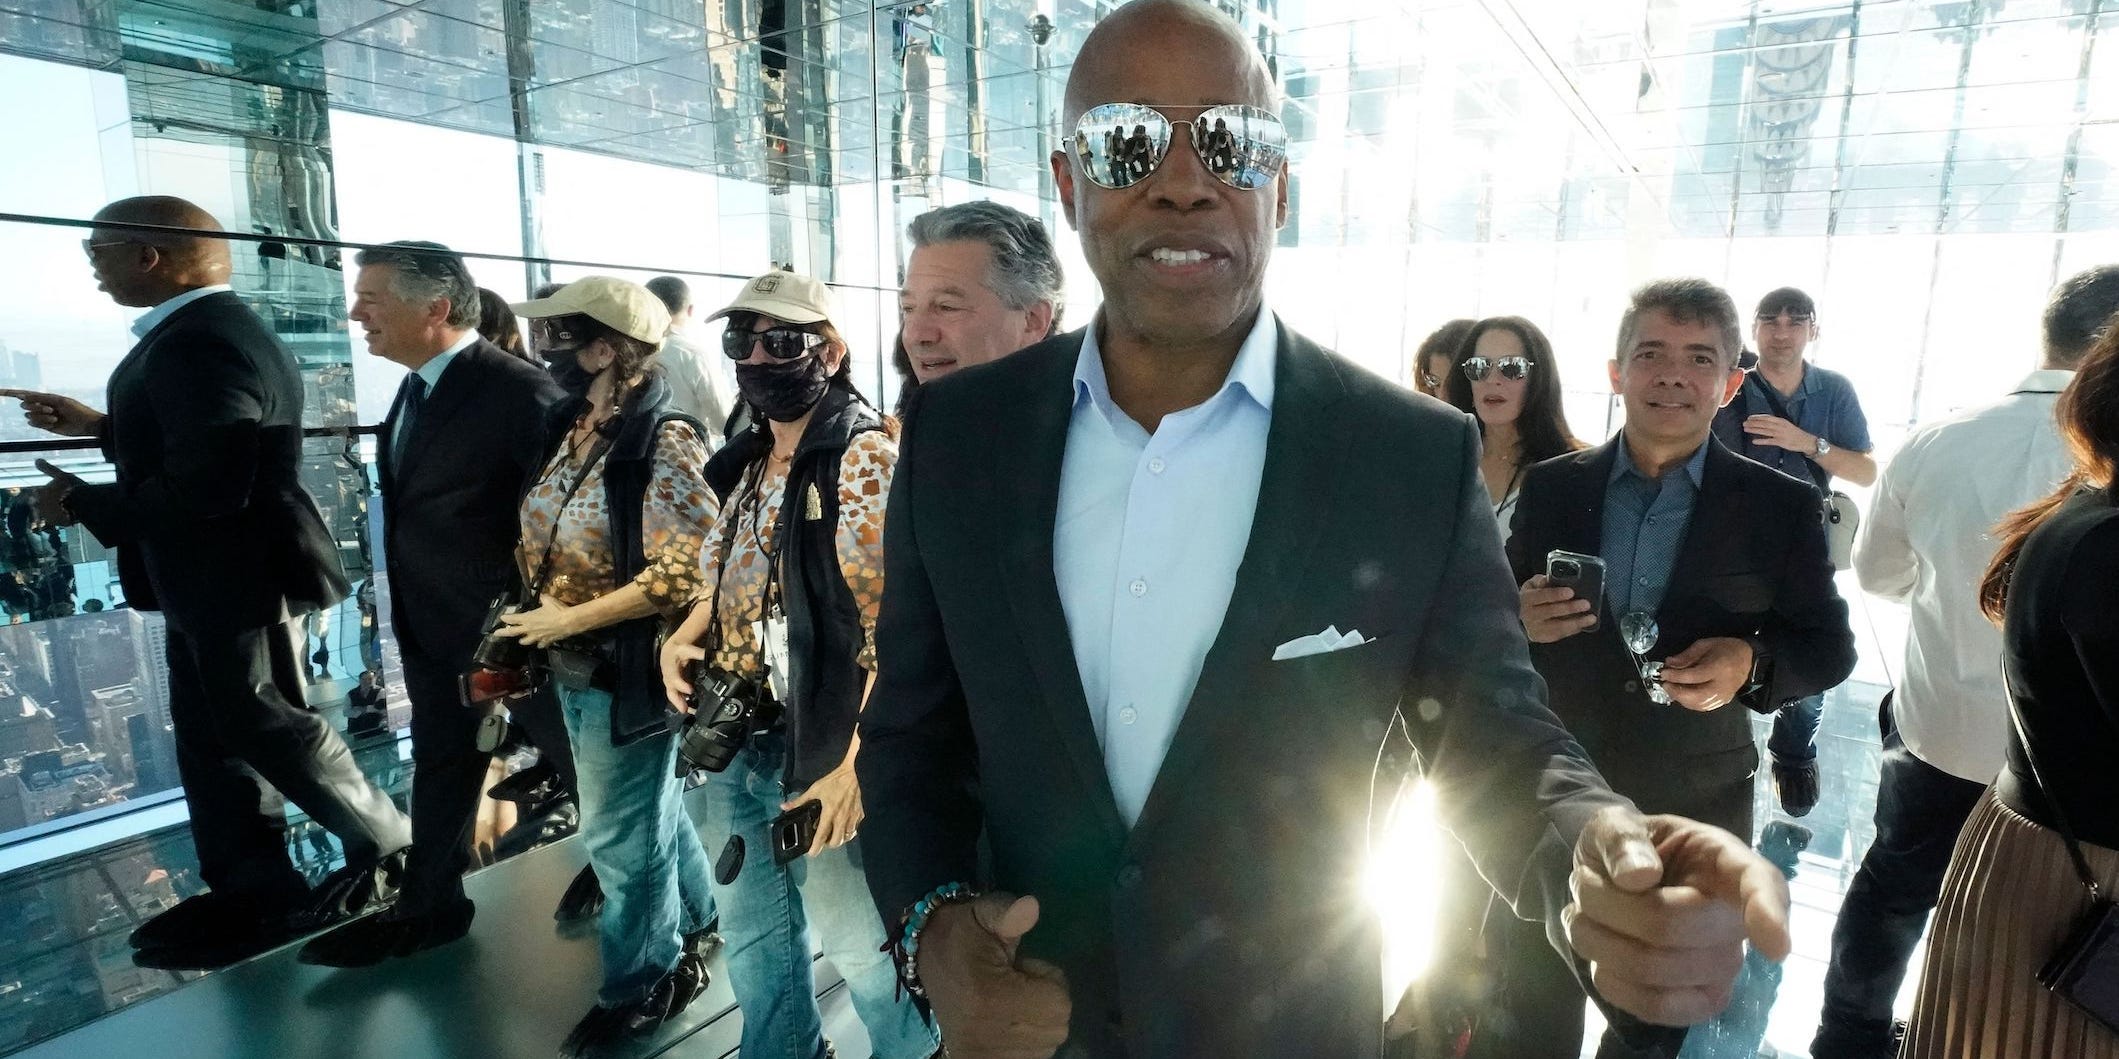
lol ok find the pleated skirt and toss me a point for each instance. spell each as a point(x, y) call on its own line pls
point(2010, 899)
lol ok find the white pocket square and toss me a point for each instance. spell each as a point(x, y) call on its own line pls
point(1331, 639)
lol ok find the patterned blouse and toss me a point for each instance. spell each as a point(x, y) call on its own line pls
point(678, 516)
point(864, 486)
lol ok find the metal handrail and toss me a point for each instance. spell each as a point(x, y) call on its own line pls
point(18, 448)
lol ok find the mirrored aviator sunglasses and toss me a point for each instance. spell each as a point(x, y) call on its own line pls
point(1119, 144)
point(781, 343)
point(1512, 368)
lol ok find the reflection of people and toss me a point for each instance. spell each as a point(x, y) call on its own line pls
point(1078, 699)
point(366, 713)
point(2044, 841)
point(610, 538)
point(798, 548)
point(35, 579)
point(457, 448)
point(213, 528)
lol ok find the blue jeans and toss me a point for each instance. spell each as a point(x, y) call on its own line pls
point(767, 913)
point(1794, 738)
point(643, 846)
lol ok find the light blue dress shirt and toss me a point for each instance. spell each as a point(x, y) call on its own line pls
point(430, 373)
point(1645, 520)
point(149, 319)
point(1151, 529)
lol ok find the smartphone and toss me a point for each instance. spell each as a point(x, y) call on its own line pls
point(1583, 573)
point(794, 830)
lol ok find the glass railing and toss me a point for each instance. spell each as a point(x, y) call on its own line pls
point(84, 686)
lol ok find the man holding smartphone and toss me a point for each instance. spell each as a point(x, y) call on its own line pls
point(1716, 588)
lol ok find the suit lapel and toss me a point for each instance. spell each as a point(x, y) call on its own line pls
point(1581, 525)
point(1299, 495)
point(1030, 451)
point(1716, 514)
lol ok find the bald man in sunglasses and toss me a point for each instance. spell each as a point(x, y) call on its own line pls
point(1147, 633)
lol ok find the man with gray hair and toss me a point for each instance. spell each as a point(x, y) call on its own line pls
point(460, 444)
point(982, 282)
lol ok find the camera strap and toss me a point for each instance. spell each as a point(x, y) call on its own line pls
point(544, 565)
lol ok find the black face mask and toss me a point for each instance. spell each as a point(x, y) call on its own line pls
point(783, 390)
point(566, 369)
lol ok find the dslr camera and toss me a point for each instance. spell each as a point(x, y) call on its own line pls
point(727, 710)
point(502, 667)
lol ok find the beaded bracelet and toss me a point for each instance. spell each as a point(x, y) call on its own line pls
point(906, 949)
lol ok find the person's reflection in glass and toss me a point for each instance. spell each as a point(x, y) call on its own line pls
point(35, 582)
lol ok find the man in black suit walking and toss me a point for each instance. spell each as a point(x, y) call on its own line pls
point(1146, 634)
point(1717, 593)
point(213, 528)
point(458, 448)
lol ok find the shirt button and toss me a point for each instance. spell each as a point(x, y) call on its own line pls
point(1128, 715)
point(1156, 465)
point(1140, 588)
point(1642, 581)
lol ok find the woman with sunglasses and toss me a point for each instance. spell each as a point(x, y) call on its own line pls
point(1505, 376)
point(782, 645)
point(611, 536)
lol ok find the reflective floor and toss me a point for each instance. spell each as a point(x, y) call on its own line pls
point(514, 987)
point(517, 984)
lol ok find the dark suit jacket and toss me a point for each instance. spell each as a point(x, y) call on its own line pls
point(208, 514)
point(1753, 565)
point(451, 513)
point(1231, 919)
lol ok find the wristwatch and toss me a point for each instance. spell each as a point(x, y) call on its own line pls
point(1823, 447)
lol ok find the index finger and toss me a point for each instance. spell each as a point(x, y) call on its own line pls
point(1539, 597)
point(1720, 865)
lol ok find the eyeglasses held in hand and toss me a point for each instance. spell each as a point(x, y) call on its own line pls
point(1512, 368)
point(1119, 144)
point(781, 343)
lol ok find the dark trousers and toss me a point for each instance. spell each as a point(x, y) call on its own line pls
point(1919, 811)
point(1540, 1002)
point(241, 722)
point(449, 773)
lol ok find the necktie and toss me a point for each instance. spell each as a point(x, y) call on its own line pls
point(407, 417)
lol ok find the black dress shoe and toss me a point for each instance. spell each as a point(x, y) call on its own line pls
point(583, 899)
point(207, 917)
point(211, 954)
point(1798, 787)
point(529, 786)
point(351, 891)
point(369, 941)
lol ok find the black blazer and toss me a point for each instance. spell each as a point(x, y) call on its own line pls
point(208, 514)
point(451, 512)
point(1231, 919)
point(1753, 565)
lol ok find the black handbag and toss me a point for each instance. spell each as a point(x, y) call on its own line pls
point(2084, 971)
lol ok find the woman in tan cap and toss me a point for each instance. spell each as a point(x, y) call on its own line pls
point(611, 534)
point(780, 652)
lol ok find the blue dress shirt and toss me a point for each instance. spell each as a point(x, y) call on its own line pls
point(1644, 526)
point(1150, 531)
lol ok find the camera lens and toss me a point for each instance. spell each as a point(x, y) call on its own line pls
point(1566, 568)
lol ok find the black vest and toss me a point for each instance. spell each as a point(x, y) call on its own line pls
point(826, 681)
point(638, 707)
